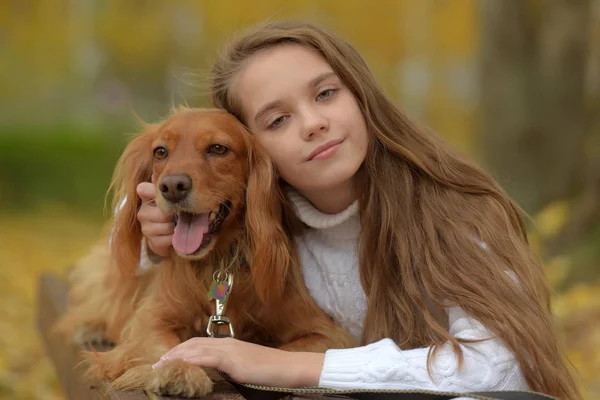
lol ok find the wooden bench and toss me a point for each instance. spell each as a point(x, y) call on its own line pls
point(52, 298)
point(52, 302)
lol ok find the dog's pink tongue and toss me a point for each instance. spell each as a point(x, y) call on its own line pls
point(189, 232)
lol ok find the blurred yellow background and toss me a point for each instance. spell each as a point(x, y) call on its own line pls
point(514, 84)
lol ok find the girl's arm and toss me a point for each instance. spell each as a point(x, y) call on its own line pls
point(487, 365)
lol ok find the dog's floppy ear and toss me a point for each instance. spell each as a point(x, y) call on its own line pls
point(134, 167)
point(270, 254)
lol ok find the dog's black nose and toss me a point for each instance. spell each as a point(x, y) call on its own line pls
point(175, 188)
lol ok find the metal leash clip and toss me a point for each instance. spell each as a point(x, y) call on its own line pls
point(219, 292)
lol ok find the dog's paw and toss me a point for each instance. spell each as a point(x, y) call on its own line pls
point(178, 378)
point(106, 364)
point(89, 336)
point(133, 379)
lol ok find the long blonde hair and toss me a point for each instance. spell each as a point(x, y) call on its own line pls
point(437, 231)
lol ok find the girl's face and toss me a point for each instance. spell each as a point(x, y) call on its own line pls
point(304, 117)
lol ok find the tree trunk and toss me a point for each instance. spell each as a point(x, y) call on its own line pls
point(508, 96)
point(533, 114)
point(564, 45)
point(586, 207)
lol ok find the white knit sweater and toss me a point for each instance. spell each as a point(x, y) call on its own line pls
point(328, 254)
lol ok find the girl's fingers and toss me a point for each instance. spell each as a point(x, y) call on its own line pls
point(151, 230)
point(146, 191)
point(160, 245)
point(148, 212)
point(207, 361)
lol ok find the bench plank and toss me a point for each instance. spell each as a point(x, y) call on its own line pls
point(52, 302)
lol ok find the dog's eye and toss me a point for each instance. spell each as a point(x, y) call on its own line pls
point(160, 153)
point(218, 149)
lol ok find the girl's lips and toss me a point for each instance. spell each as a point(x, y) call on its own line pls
point(326, 150)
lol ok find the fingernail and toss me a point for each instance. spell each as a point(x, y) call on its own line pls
point(156, 365)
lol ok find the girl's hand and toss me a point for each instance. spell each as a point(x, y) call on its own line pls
point(157, 227)
point(250, 363)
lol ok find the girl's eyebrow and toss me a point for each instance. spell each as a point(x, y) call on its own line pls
point(320, 78)
point(269, 106)
point(274, 104)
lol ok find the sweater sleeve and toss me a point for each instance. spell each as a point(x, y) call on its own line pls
point(148, 258)
point(487, 365)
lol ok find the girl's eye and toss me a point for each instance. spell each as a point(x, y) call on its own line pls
point(160, 153)
point(277, 122)
point(325, 94)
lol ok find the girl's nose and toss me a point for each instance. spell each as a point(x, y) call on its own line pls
point(314, 123)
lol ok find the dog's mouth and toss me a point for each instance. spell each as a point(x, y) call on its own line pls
point(194, 231)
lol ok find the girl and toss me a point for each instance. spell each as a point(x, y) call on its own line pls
point(413, 249)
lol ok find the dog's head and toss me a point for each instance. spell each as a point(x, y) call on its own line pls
point(200, 168)
point(209, 173)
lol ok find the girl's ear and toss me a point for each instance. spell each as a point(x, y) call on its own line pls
point(133, 168)
point(270, 249)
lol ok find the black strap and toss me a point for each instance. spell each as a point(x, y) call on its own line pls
point(251, 393)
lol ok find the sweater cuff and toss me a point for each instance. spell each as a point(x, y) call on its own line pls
point(342, 368)
point(148, 258)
